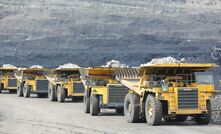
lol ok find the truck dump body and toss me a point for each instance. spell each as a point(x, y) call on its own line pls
point(131, 76)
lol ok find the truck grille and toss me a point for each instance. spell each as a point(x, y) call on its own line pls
point(42, 86)
point(187, 99)
point(78, 87)
point(12, 83)
point(116, 95)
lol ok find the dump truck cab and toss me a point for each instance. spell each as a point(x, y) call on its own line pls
point(64, 83)
point(7, 80)
point(102, 90)
point(169, 91)
point(31, 80)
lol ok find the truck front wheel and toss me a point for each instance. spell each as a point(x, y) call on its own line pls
point(86, 103)
point(204, 119)
point(52, 93)
point(94, 104)
point(26, 91)
point(131, 110)
point(60, 94)
point(20, 90)
point(153, 111)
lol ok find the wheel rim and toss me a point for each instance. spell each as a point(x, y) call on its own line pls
point(150, 110)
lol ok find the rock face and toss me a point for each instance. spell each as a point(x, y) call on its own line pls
point(90, 33)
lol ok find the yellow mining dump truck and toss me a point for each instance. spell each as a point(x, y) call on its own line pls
point(7, 80)
point(31, 80)
point(168, 92)
point(64, 82)
point(102, 90)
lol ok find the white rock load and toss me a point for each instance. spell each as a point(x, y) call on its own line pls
point(37, 66)
point(69, 65)
point(164, 60)
point(9, 66)
point(115, 63)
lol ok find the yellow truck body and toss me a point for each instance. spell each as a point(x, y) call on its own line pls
point(7, 80)
point(102, 90)
point(180, 89)
point(64, 83)
point(31, 80)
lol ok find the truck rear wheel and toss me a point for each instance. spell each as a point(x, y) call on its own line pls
point(1, 87)
point(204, 119)
point(60, 94)
point(131, 111)
point(94, 104)
point(52, 93)
point(153, 111)
point(86, 103)
point(27, 91)
point(20, 90)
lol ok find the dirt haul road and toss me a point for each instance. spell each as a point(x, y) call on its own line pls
point(40, 116)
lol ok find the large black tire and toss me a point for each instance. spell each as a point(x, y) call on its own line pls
point(204, 119)
point(60, 94)
point(26, 91)
point(1, 87)
point(20, 89)
point(119, 110)
point(177, 118)
point(94, 105)
point(86, 102)
point(52, 93)
point(131, 110)
point(153, 111)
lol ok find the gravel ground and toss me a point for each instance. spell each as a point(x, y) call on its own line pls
point(39, 116)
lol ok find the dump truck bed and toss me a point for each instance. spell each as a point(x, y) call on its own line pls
point(52, 75)
point(130, 77)
point(20, 72)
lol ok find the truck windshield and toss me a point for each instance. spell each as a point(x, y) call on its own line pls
point(204, 78)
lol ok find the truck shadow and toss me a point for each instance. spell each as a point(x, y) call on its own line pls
point(109, 113)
